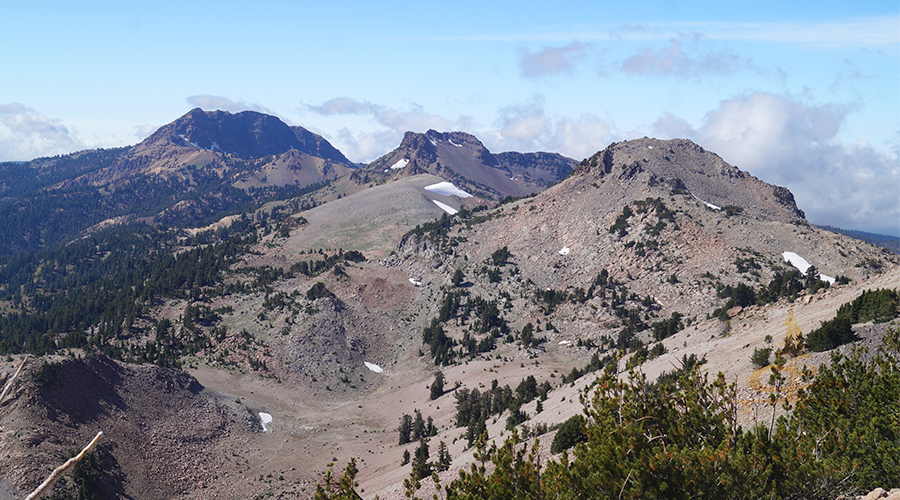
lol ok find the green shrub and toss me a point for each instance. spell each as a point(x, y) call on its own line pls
point(831, 334)
point(318, 291)
point(760, 357)
point(872, 305)
point(570, 433)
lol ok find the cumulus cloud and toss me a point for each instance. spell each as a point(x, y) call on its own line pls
point(527, 127)
point(581, 137)
point(366, 145)
point(785, 141)
point(144, 131)
point(524, 124)
point(552, 60)
point(206, 101)
point(26, 134)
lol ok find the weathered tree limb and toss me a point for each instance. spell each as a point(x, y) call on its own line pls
point(59, 471)
point(13, 379)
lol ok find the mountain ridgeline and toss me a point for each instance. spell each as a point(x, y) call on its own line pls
point(340, 299)
point(209, 164)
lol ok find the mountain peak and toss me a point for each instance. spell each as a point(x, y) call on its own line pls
point(247, 134)
point(684, 165)
point(464, 160)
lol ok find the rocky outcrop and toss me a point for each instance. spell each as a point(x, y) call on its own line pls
point(683, 165)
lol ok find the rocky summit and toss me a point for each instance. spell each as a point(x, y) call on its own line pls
point(462, 159)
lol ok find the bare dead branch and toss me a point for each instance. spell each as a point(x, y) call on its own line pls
point(59, 471)
point(13, 379)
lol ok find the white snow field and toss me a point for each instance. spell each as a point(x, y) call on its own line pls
point(264, 418)
point(372, 366)
point(400, 164)
point(708, 204)
point(446, 208)
point(801, 264)
point(447, 189)
point(564, 251)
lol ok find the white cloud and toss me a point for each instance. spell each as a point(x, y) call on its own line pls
point(26, 134)
point(524, 123)
point(690, 56)
point(785, 141)
point(581, 137)
point(552, 60)
point(366, 145)
point(345, 106)
point(527, 127)
point(674, 60)
point(206, 101)
point(415, 119)
point(669, 126)
point(144, 131)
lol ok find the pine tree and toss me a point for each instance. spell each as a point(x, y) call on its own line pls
point(405, 429)
point(444, 459)
point(421, 467)
point(437, 387)
point(418, 427)
point(430, 428)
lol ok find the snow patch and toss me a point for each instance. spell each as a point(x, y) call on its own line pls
point(372, 366)
point(447, 189)
point(565, 342)
point(400, 164)
point(415, 282)
point(708, 204)
point(446, 208)
point(455, 144)
point(802, 265)
point(564, 251)
point(183, 138)
point(433, 142)
point(264, 418)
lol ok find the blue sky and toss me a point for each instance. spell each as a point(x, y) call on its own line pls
point(800, 94)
